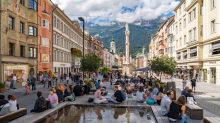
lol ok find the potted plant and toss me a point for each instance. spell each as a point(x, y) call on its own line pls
point(105, 71)
point(2, 87)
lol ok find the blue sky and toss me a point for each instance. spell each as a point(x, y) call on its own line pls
point(104, 11)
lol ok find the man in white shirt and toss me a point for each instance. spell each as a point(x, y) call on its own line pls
point(14, 81)
point(165, 103)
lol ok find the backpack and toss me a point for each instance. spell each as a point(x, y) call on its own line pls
point(150, 102)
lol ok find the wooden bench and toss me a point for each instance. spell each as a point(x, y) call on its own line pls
point(13, 115)
point(157, 114)
point(195, 112)
point(211, 120)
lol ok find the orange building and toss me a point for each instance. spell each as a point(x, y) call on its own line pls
point(44, 37)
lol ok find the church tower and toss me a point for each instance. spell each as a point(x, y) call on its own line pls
point(112, 48)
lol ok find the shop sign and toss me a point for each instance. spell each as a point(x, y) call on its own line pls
point(212, 62)
point(19, 67)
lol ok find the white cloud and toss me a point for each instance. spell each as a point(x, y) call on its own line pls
point(113, 9)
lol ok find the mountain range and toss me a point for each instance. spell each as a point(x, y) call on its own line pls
point(104, 32)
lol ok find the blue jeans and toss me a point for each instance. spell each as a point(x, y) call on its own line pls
point(53, 81)
point(130, 95)
point(184, 120)
point(53, 105)
point(112, 100)
point(44, 83)
point(67, 81)
point(33, 87)
point(165, 114)
point(14, 83)
point(61, 80)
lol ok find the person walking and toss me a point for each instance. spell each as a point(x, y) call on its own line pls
point(184, 83)
point(67, 79)
point(14, 81)
point(49, 82)
point(61, 77)
point(44, 81)
point(33, 81)
point(193, 84)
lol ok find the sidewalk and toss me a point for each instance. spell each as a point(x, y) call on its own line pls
point(207, 96)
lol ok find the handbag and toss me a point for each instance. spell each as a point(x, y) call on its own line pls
point(90, 100)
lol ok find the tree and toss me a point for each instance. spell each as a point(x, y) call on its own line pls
point(117, 67)
point(163, 64)
point(90, 63)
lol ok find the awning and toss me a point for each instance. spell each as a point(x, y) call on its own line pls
point(193, 50)
point(215, 46)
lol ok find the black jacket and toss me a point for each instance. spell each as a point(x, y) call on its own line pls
point(77, 90)
point(40, 102)
point(3, 102)
point(33, 80)
point(60, 95)
point(86, 89)
point(189, 95)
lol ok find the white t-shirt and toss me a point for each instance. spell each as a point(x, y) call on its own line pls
point(14, 78)
point(13, 105)
point(139, 96)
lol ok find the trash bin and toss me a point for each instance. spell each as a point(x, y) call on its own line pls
point(172, 86)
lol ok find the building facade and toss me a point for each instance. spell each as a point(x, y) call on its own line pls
point(19, 42)
point(171, 44)
point(44, 37)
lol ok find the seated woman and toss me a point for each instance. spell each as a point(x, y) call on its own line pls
point(12, 103)
point(177, 110)
point(66, 91)
point(59, 94)
point(149, 94)
point(160, 95)
point(40, 104)
point(140, 95)
point(52, 97)
point(156, 88)
point(128, 91)
point(4, 106)
point(132, 85)
point(189, 94)
point(98, 98)
point(140, 84)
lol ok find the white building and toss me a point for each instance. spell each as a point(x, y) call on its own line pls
point(66, 35)
point(171, 38)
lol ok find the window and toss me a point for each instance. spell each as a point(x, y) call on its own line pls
point(61, 26)
point(190, 16)
point(32, 52)
point(45, 42)
point(11, 49)
point(22, 2)
point(213, 4)
point(180, 41)
point(184, 23)
point(54, 21)
point(180, 27)
point(213, 26)
point(201, 30)
point(44, 6)
point(61, 42)
point(22, 50)
point(45, 23)
point(45, 58)
point(194, 13)
point(176, 29)
point(32, 4)
point(54, 38)
point(215, 48)
point(21, 27)
point(32, 31)
point(58, 24)
point(193, 52)
point(58, 38)
point(185, 54)
point(184, 39)
point(190, 34)
point(39, 39)
point(38, 20)
point(178, 56)
point(54, 55)
point(10, 22)
point(194, 30)
point(201, 7)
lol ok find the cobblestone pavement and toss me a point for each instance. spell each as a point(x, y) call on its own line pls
point(207, 96)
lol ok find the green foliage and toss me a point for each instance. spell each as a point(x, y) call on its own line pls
point(163, 64)
point(2, 85)
point(76, 52)
point(90, 83)
point(90, 63)
point(117, 67)
point(105, 70)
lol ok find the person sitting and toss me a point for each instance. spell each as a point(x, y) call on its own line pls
point(4, 106)
point(145, 85)
point(128, 91)
point(12, 103)
point(86, 88)
point(149, 94)
point(156, 88)
point(67, 91)
point(185, 91)
point(61, 87)
point(98, 98)
point(40, 103)
point(97, 84)
point(52, 97)
point(160, 95)
point(189, 94)
point(177, 111)
point(77, 89)
point(117, 97)
point(59, 94)
point(132, 84)
point(165, 102)
point(140, 84)
point(119, 85)
point(140, 95)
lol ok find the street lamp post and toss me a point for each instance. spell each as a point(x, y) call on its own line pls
point(82, 19)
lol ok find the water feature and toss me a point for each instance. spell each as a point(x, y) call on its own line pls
point(100, 114)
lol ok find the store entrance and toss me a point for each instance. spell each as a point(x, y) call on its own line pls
point(213, 75)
